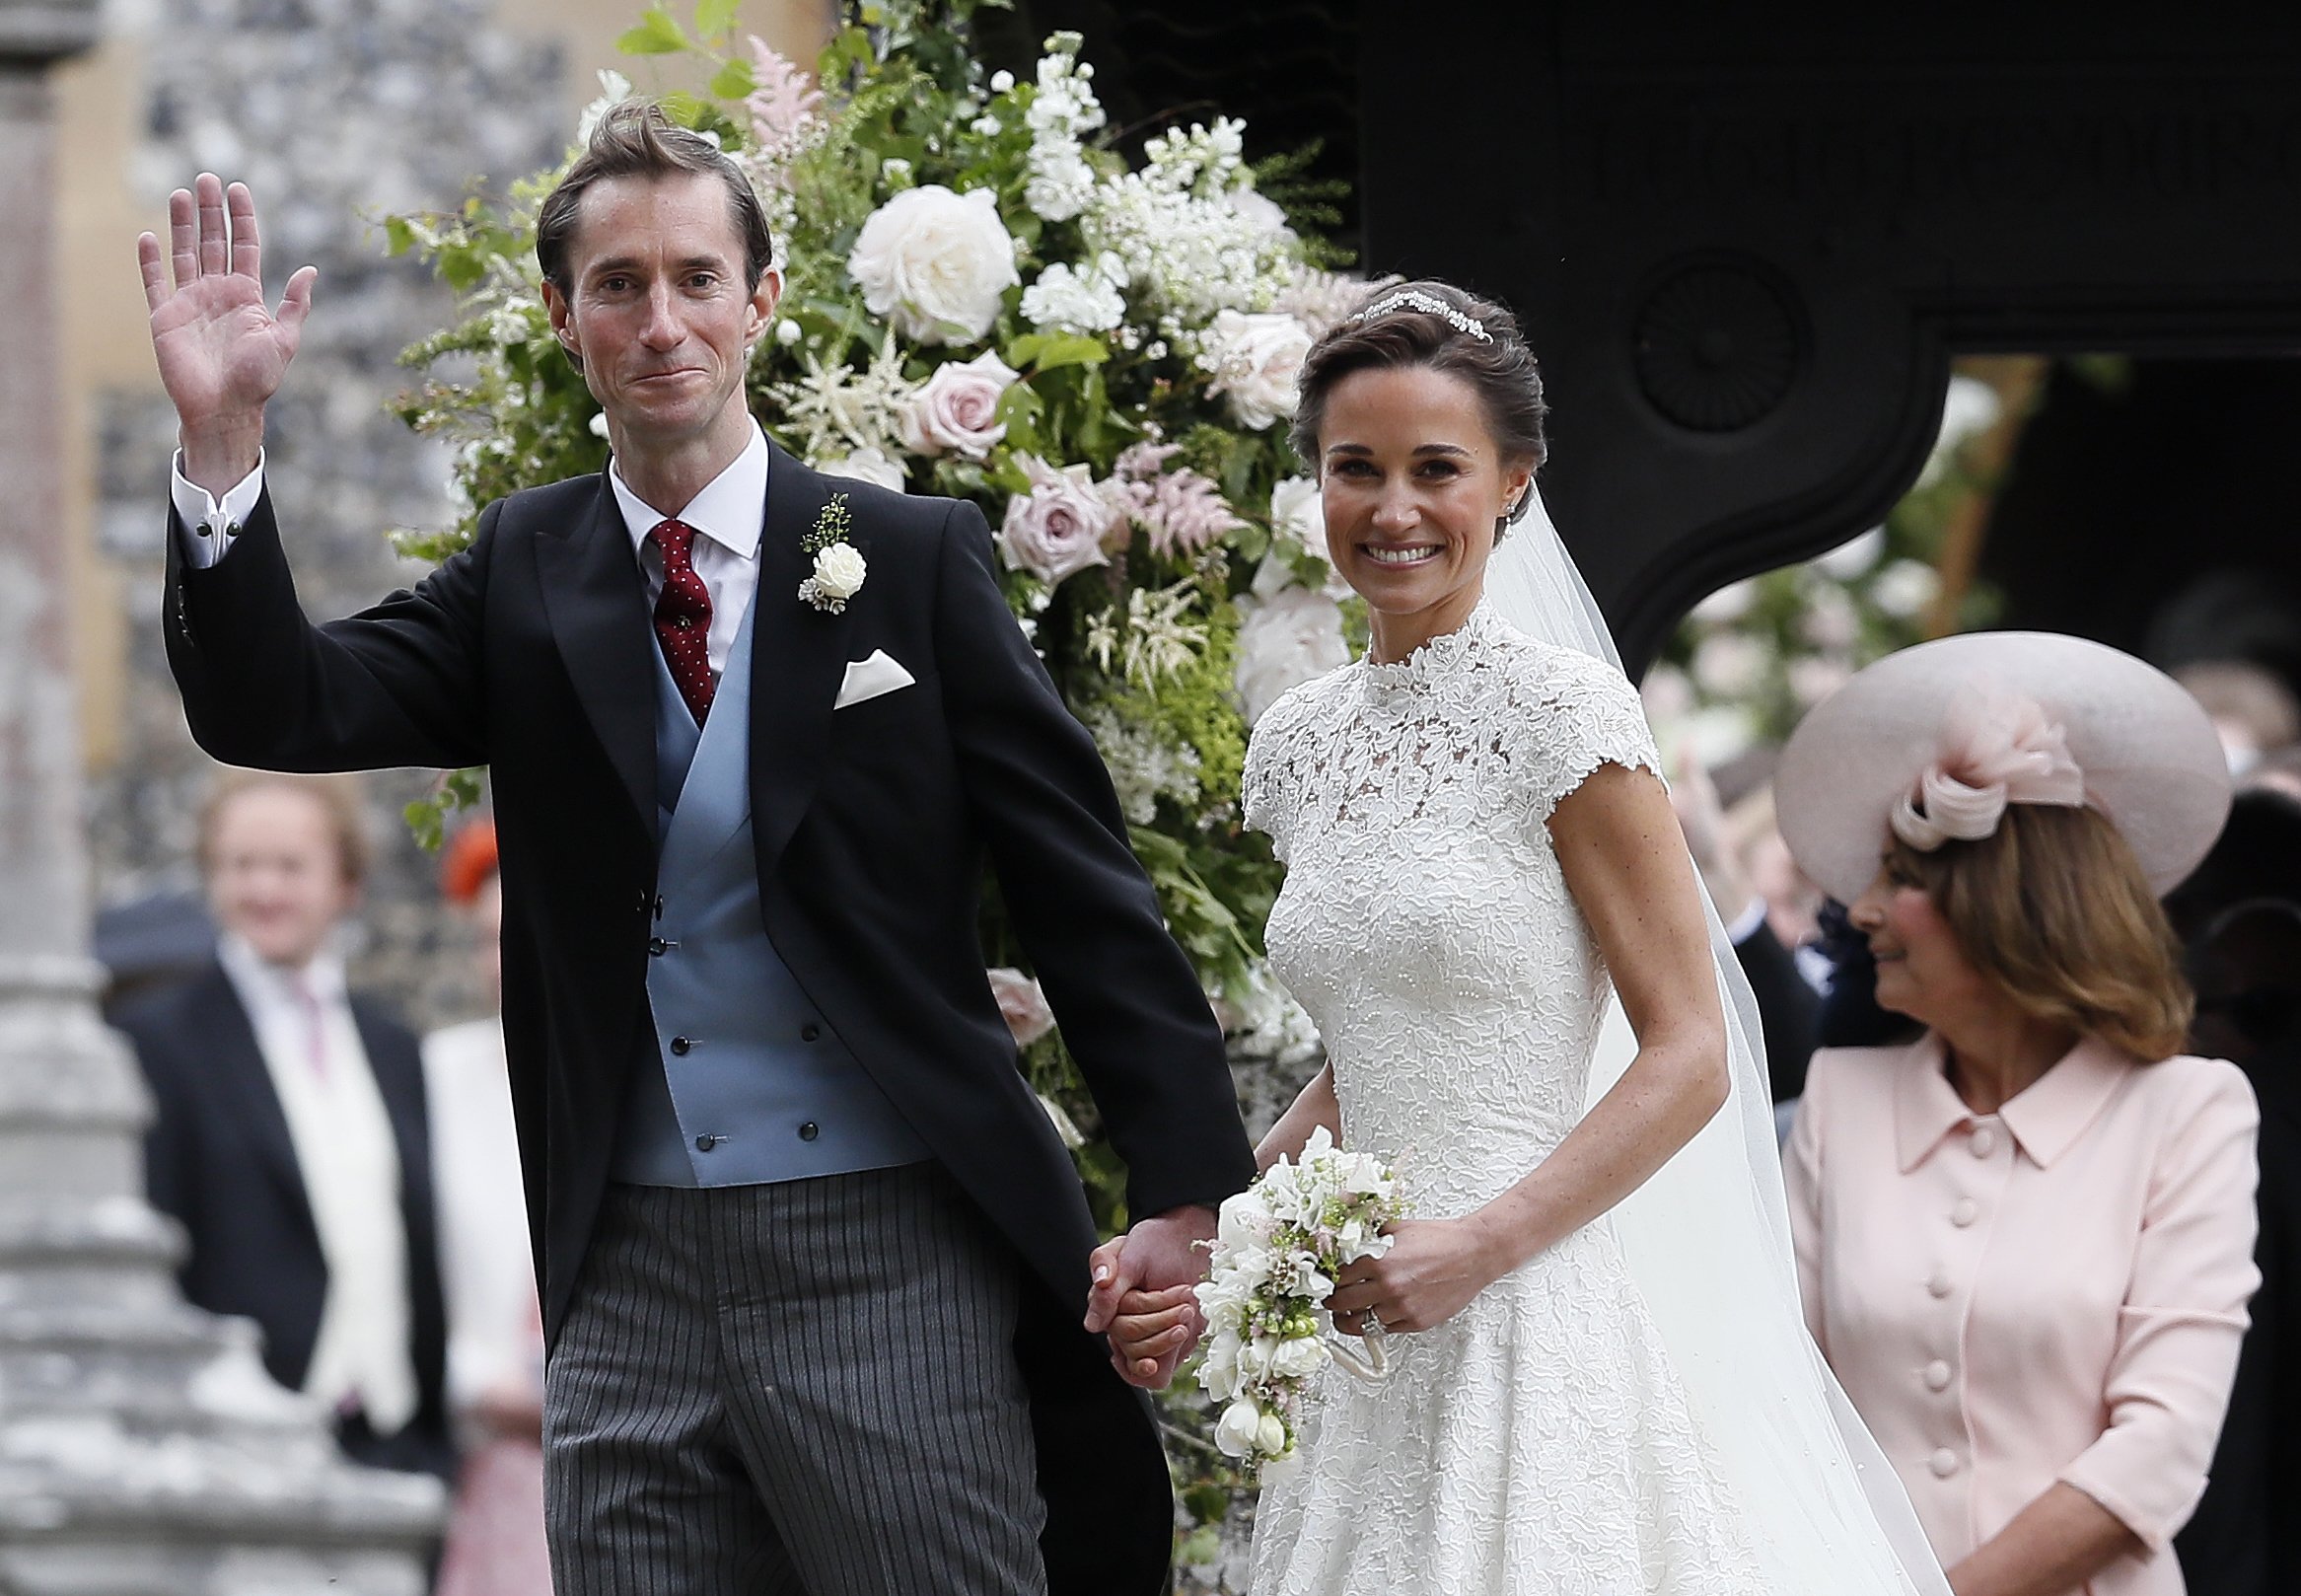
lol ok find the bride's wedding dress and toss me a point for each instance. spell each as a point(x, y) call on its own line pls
point(1540, 1439)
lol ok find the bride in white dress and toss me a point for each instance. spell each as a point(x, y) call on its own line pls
point(1480, 855)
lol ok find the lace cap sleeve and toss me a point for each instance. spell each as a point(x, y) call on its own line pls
point(1266, 796)
point(1570, 714)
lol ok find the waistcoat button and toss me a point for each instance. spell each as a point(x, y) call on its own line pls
point(680, 1045)
point(809, 1131)
point(706, 1142)
point(657, 947)
point(1943, 1462)
point(1985, 1143)
point(1966, 1213)
point(1937, 1375)
point(810, 1032)
point(1939, 1286)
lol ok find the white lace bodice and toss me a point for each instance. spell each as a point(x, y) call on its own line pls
point(1425, 923)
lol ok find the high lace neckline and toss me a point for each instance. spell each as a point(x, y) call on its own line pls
point(1435, 660)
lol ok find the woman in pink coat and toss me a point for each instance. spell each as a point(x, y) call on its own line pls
point(2025, 1239)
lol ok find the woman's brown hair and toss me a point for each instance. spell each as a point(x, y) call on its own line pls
point(2054, 909)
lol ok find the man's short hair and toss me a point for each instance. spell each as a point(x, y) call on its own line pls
point(635, 139)
point(339, 797)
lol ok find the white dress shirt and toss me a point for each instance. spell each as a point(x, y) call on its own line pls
point(341, 1134)
point(728, 516)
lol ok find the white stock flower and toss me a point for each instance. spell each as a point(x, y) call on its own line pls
point(1254, 358)
point(839, 571)
point(1293, 637)
point(958, 409)
point(1064, 300)
point(866, 466)
point(935, 263)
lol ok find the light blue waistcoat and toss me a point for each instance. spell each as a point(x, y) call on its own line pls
point(746, 1083)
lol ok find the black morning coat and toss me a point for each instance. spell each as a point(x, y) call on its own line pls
point(219, 1161)
point(531, 653)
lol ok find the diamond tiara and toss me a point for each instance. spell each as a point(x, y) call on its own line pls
point(1414, 299)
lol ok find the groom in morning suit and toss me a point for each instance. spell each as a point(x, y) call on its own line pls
point(812, 1257)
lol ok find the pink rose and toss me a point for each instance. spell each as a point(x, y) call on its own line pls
point(1055, 530)
point(1022, 1004)
point(958, 409)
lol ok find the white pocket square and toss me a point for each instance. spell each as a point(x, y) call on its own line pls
point(871, 679)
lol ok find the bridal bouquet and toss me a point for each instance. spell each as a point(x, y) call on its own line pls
point(1281, 1243)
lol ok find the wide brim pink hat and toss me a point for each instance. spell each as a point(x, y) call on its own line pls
point(2148, 754)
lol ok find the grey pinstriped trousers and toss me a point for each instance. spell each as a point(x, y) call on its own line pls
point(808, 1387)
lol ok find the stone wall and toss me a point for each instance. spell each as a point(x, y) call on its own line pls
point(335, 112)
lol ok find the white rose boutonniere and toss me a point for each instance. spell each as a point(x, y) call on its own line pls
point(839, 567)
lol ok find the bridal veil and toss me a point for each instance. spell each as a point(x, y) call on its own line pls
point(1708, 1242)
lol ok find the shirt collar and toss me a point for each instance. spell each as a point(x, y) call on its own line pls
point(2046, 1118)
point(260, 980)
point(730, 511)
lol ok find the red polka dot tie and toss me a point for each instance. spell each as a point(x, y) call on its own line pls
point(682, 618)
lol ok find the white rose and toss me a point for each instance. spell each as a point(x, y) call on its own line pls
point(1261, 212)
point(958, 409)
point(1239, 1429)
point(866, 466)
point(839, 571)
point(1291, 638)
point(935, 263)
point(1298, 1359)
point(1256, 358)
point(1242, 1222)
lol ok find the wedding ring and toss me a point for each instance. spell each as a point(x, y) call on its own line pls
point(1372, 1321)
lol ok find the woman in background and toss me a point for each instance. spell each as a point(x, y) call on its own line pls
point(2025, 1239)
point(495, 1330)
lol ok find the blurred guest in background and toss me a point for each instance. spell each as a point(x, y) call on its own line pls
point(495, 1326)
point(1786, 1001)
point(2241, 917)
point(2253, 711)
point(290, 1138)
point(2025, 1239)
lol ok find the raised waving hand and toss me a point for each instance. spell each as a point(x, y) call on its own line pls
point(222, 355)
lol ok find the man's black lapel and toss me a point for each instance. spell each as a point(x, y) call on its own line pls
point(797, 659)
point(597, 602)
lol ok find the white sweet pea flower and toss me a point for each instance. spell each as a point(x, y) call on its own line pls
point(1240, 1428)
point(1271, 1436)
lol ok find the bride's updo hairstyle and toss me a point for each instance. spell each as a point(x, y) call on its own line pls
point(1433, 325)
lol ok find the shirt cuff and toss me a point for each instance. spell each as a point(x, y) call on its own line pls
point(1745, 925)
point(210, 524)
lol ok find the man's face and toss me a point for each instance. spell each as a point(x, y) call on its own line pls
point(275, 873)
point(657, 309)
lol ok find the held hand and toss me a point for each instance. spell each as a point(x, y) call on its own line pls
point(222, 355)
point(1158, 1253)
point(1430, 1273)
point(1153, 1330)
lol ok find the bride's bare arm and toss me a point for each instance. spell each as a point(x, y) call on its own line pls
point(1314, 1106)
point(1626, 863)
